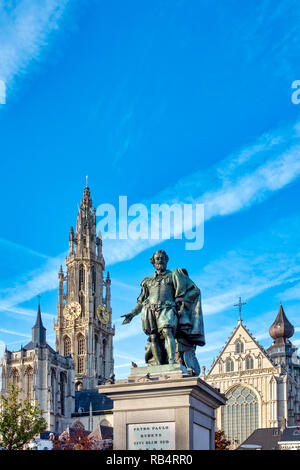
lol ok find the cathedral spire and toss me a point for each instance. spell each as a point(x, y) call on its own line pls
point(82, 291)
point(85, 236)
point(38, 330)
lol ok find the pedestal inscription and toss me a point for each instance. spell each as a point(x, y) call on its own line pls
point(156, 409)
point(151, 436)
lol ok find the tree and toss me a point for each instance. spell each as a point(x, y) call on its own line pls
point(19, 422)
point(74, 439)
point(221, 443)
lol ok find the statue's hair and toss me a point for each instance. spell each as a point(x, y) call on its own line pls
point(162, 252)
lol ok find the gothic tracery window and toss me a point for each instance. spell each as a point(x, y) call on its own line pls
point(82, 304)
point(239, 347)
point(240, 417)
point(229, 365)
point(93, 279)
point(104, 357)
point(67, 346)
point(53, 390)
point(62, 393)
point(81, 277)
point(29, 382)
point(81, 353)
point(249, 363)
point(15, 377)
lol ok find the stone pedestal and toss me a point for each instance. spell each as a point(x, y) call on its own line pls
point(163, 407)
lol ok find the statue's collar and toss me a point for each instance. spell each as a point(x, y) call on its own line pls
point(156, 274)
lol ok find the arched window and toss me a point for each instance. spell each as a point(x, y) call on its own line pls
point(62, 393)
point(240, 414)
point(104, 422)
point(93, 279)
point(259, 361)
point(81, 277)
point(67, 346)
point(29, 383)
point(249, 363)
point(78, 386)
point(82, 304)
point(96, 354)
point(104, 357)
point(81, 354)
point(229, 365)
point(53, 390)
point(239, 347)
point(15, 378)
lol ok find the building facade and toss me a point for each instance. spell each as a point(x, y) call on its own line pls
point(41, 374)
point(262, 386)
point(83, 357)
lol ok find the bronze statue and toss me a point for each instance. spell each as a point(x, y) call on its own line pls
point(171, 315)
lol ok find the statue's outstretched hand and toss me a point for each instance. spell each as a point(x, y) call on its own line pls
point(128, 318)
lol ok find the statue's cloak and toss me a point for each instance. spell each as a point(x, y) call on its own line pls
point(190, 318)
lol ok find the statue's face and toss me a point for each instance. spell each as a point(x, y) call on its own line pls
point(160, 262)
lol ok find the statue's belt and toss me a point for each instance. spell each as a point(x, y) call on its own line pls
point(155, 307)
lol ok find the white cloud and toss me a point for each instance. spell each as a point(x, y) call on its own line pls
point(2, 348)
point(39, 281)
point(241, 180)
point(25, 28)
point(25, 312)
point(292, 293)
point(15, 333)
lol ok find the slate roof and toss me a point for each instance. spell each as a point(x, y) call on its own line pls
point(99, 402)
point(290, 434)
point(267, 438)
point(101, 433)
point(29, 346)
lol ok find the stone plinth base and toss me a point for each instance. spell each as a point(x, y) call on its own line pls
point(163, 407)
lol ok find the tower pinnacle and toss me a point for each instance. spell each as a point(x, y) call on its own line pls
point(38, 330)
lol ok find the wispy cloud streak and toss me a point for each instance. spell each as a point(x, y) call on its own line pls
point(241, 180)
point(25, 28)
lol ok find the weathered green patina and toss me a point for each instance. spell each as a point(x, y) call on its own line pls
point(170, 305)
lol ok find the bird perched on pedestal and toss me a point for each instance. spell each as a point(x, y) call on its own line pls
point(134, 364)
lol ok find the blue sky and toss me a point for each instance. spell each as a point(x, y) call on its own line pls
point(185, 101)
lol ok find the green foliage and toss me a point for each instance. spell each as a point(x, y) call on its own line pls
point(19, 422)
point(221, 443)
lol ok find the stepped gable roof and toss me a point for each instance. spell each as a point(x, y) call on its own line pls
point(99, 402)
point(281, 329)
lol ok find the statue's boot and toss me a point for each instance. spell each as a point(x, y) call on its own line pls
point(170, 344)
point(156, 349)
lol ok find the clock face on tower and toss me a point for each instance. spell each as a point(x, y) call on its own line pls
point(102, 314)
point(72, 310)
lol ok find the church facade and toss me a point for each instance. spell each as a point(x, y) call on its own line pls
point(262, 386)
point(83, 357)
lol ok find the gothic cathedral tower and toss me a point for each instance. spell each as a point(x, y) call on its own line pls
point(83, 327)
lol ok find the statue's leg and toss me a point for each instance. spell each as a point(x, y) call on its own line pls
point(170, 344)
point(156, 349)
